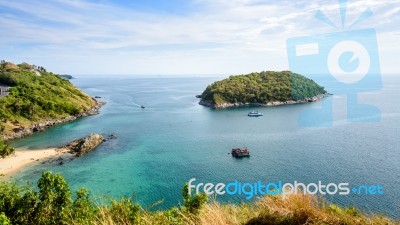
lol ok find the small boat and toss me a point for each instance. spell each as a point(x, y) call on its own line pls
point(239, 153)
point(142, 107)
point(255, 114)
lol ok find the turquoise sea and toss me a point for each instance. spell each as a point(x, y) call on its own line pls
point(174, 139)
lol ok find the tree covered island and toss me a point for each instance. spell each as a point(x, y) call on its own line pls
point(267, 88)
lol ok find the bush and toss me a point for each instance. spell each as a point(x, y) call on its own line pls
point(174, 216)
point(5, 149)
point(55, 198)
point(4, 220)
point(48, 205)
point(193, 202)
point(124, 211)
point(83, 209)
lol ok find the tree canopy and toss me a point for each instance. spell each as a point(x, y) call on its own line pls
point(262, 87)
point(37, 95)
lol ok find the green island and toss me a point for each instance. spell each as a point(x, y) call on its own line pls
point(53, 202)
point(267, 88)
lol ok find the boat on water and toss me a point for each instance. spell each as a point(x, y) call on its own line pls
point(142, 107)
point(239, 153)
point(255, 114)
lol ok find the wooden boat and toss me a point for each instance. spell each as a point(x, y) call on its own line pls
point(239, 153)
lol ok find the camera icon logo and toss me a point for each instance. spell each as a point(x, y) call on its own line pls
point(345, 63)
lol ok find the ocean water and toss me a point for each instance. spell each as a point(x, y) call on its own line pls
point(174, 139)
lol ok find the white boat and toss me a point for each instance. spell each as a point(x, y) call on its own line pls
point(255, 114)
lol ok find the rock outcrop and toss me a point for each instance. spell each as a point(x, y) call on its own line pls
point(84, 145)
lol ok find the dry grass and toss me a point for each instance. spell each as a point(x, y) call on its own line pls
point(270, 210)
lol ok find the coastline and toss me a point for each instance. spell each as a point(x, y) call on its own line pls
point(13, 164)
point(208, 103)
point(22, 157)
point(43, 125)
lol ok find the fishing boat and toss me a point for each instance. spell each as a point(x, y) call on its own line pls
point(239, 153)
point(255, 114)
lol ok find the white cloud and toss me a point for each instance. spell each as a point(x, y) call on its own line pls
point(220, 37)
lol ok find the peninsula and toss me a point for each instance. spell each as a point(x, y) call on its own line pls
point(267, 88)
point(33, 99)
point(38, 99)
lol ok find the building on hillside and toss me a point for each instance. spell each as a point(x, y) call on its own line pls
point(4, 90)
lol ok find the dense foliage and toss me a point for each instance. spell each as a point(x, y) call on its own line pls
point(52, 202)
point(36, 95)
point(5, 150)
point(193, 202)
point(262, 88)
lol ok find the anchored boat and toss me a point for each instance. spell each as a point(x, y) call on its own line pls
point(239, 153)
point(255, 114)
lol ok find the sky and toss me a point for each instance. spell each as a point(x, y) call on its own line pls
point(179, 36)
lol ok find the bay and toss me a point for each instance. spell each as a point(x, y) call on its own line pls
point(174, 139)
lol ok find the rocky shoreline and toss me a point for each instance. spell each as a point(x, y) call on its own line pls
point(209, 103)
point(21, 132)
point(61, 155)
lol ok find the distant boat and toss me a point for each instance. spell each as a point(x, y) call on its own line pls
point(255, 114)
point(239, 153)
point(142, 107)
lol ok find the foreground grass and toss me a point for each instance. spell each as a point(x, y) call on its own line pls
point(53, 203)
point(296, 209)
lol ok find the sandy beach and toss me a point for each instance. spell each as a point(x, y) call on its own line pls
point(14, 163)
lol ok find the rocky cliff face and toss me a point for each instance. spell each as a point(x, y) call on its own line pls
point(20, 132)
point(84, 145)
point(210, 104)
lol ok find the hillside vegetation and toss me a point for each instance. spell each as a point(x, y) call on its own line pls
point(37, 95)
point(262, 88)
point(52, 202)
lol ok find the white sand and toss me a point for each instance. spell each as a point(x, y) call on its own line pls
point(14, 163)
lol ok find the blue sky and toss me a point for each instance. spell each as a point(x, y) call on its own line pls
point(177, 36)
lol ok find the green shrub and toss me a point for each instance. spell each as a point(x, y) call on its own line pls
point(193, 202)
point(55, 198)
point(5, 149)
point(83, 210)
point(18, 203)
point(4, 220)
point(124, 211)
point(174, 216)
